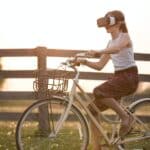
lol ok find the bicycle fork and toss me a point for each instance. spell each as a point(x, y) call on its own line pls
point(62, 119)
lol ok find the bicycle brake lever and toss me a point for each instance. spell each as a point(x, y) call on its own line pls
point(74, 63)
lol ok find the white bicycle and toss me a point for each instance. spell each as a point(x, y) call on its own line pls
point(66, 123)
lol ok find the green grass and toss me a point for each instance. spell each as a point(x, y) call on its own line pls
point(62, 142)
point(7, 140)
point(7, 131)
point(7, 136)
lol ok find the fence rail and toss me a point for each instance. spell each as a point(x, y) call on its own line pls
point(41, 53)
point(54, 53)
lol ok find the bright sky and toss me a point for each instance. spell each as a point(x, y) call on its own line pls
point(68, 24)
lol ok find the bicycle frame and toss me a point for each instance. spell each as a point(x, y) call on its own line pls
point(74, 96)
point(84, 102)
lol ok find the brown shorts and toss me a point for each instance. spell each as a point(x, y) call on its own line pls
point(122, 83)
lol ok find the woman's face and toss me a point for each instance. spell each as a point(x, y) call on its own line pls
point(112, 29)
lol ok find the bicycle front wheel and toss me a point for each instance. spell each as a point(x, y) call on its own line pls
point(34, 130)
point(141, 129)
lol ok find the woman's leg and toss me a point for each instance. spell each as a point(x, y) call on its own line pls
point(95, 137)
point(113, 104)
point(127, 121)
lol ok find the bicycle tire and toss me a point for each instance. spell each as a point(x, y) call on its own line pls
point(73, 135)
point(140, 109)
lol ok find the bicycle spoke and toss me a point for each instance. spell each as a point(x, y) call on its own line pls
point(74, 129)
point(139, 136)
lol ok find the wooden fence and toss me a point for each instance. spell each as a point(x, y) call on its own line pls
point(42, 53)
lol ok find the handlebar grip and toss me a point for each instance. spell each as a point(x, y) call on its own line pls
point(77, 64)
point(71, 62)
point(74, 63)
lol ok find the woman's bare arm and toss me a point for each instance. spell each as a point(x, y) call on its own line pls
point(123, 42)
point(98, 65)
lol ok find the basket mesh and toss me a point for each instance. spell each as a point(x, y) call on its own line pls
point(57, 83)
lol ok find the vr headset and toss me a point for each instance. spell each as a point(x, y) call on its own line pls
point(106, 21)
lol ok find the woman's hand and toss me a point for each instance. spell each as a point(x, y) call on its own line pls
point(81, 61)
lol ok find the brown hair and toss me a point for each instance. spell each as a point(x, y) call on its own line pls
point(119, 17)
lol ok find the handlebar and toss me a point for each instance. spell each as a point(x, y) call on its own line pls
point(72, 62)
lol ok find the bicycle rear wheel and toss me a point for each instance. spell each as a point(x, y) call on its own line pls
point(141, 129)
point(74, 133)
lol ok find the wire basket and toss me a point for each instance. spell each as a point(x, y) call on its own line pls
point(57, 83)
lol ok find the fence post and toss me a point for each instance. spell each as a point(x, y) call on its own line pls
point(42, 87)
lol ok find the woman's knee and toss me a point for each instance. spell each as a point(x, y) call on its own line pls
point(98, 104)
point(101, 106)
point(94, 112)
point(96, 92)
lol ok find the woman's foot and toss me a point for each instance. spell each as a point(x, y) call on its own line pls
point(126, 126)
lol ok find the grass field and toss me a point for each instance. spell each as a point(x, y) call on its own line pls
point(7, 139)
point(7, 136)
point(7, 131)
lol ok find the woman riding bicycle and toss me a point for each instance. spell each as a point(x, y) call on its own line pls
point(125, 79)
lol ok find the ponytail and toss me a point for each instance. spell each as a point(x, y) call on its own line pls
point(123, 27)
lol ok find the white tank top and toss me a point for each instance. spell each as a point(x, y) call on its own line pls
point(125, 58)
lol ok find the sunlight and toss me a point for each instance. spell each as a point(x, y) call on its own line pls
point(19, 63)
point(66, 25)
